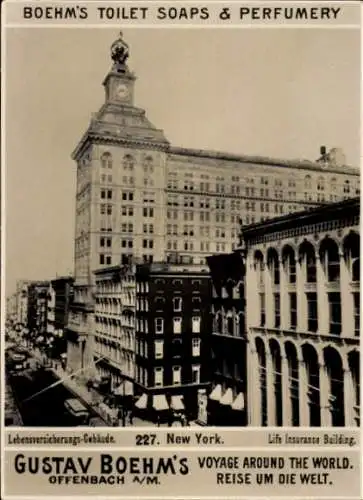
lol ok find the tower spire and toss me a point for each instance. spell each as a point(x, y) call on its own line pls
point(119, 54)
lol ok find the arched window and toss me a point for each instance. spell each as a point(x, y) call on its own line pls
point(329, 255)
point(307, 259)
point(148, 164)
point(346, 188)
point(230, 326)
point(106, 160)
point(273, 265)
point(351, 247)
point(307, 181)
point(321, 183)
point(259, 267)
point(333, 184)
point(288, 256)
point(128, 162)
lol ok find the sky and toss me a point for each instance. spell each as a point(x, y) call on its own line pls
point(269, 92)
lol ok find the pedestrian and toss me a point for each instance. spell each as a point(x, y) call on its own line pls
point(158, 420)
point(131, 417)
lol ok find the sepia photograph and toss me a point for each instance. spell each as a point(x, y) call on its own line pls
point(182, 228)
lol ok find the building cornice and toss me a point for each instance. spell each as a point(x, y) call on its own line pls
point(343, 209)
point(176, 152)
point(111, 140)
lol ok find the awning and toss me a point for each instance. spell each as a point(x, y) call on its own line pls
point(126, 388)
point(239, 402)
point(227, 398)
point(160, 403)
point(141, 403)
point(216, 394)
point(177, 403)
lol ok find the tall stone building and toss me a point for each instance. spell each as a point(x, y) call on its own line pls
point(303, 318)
point(139, 197)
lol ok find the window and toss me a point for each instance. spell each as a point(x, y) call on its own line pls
point(159, 303)
point(293, 311)
point(262, 309)
point(128, 162)
point(196, 302)
point(320, 185)
point(102, 258)
point(196, 374)
point(177, 304)
point(106, 160)
point(331, 261)
point(310, 267)
point(290, 266)
point(312, 301)
point(176, 375)
point(335, 313)
point(307, 182)
point(277, 309)
point(195, 347)
point(355, 270)
point(159, 349)
point(273, 264)
point(159, 325)
point(196, 324)
point(356, 302)
point(158, 375)
point(177, 323)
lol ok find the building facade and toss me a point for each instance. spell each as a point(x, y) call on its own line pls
point(303, 318)
point(227, 397)
point(60, 298)
point(141, 198)
point(22, 302)
point(173, 328)
point(114, 346)
point(11, 308)
point(38, 295)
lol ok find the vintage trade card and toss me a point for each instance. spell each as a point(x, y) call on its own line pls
point(181, 250)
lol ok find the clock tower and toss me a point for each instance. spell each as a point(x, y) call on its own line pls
point(119, 83)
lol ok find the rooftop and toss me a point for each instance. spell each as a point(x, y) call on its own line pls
point(262, 160)
point(329, 211)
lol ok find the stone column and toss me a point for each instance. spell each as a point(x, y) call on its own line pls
point(269, 300)
point(322, 296)
point(284, 297)
point(270, 385)
point(286, 393)
point(325, 392)
point(304, 415)
point(346, 298)
point(302, 305)
point(252, 290)
point(254, 400)
point(349, 396)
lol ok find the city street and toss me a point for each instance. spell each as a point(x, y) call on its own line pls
point(47, 408)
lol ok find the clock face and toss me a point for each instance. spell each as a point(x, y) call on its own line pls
point(122, 91)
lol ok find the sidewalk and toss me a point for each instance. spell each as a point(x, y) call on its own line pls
point(91, 398)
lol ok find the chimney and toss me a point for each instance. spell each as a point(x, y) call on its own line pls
point(323, 150)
